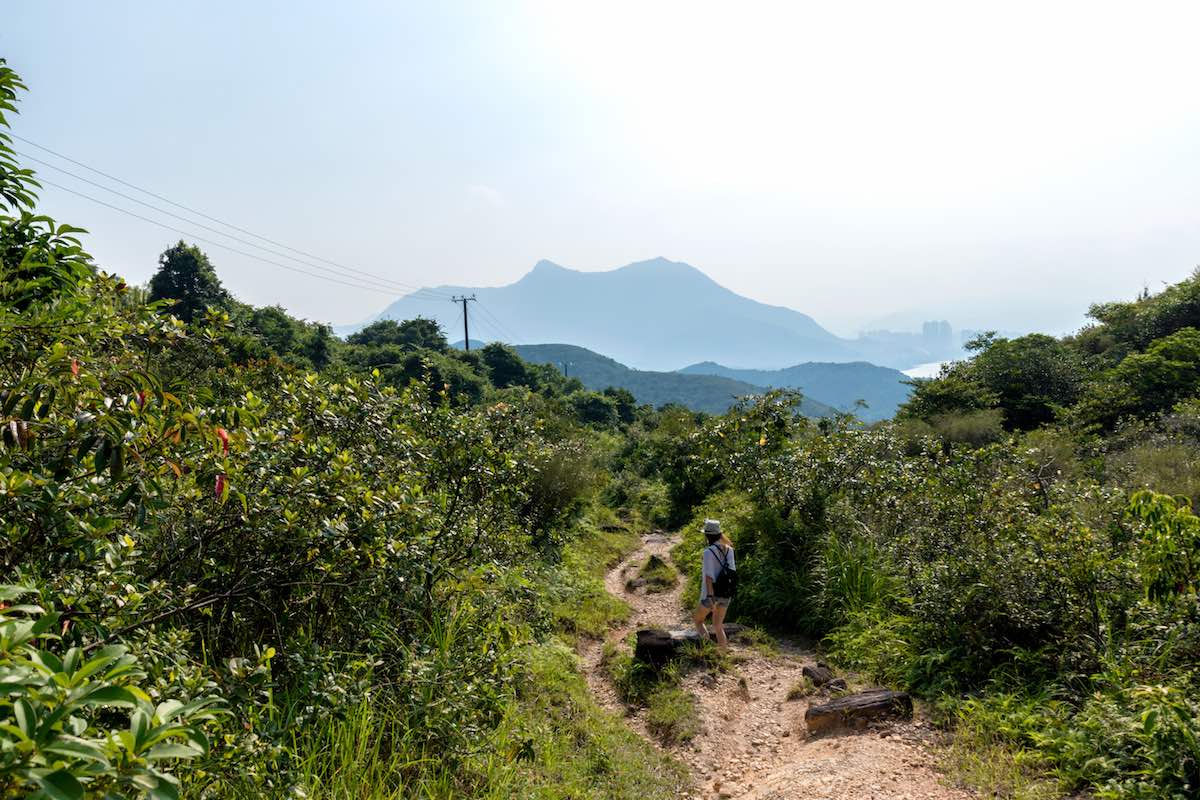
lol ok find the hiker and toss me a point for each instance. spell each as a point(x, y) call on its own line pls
point(717, 582)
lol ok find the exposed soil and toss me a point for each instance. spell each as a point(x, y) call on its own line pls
point(753, 742)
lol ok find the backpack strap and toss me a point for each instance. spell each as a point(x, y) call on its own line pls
point(721, 554)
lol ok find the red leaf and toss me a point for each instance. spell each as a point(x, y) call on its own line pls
point(223, 435)
point(75, 367)
point(220, 486)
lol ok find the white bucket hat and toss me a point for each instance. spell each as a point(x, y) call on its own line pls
point(712, 527)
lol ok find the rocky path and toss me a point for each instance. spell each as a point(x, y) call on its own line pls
point(753, 742)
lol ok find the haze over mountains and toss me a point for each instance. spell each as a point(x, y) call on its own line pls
point(699, 391)
point(883, 389)
point(662, 315)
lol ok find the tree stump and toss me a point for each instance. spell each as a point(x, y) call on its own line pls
point(856, 710)
point(656, 647)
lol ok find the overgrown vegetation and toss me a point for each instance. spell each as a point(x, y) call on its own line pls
point(1020, 546)
point(245, 559)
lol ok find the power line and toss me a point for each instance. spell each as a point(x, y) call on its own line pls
point(191, 235)
point(209, 217)
point(388, 285)
point(496, 323)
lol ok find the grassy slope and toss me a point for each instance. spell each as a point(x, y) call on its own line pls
point(710, 393)
point(555, 742)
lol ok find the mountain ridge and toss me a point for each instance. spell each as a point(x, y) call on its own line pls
point(655, 315)
point(841, 385)
point(710, 393)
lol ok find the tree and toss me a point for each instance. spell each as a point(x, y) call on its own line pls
point(279, 330)
point(626, 403)
point(504, 366)
point(411, 334)
point(186, 276)
point(1030, 376)
point(594, 408)
point(319, 347)
point(1169, 371)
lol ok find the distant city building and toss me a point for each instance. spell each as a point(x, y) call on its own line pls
point(937, 331)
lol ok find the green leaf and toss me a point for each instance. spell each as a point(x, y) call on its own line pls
point(172, 750)
point(165, 790)
point(26, 717)
point(103, 657)
point(60, 785)
point(116, 464)
point(102, 454)
point(45, 623)
point(139, 726)
point(73, 747)
point(117, 696)
point(85, 447)
point(11, 592)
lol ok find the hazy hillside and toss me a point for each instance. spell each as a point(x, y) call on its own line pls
point(654, 314)
point(840, 385)
point(711, 393)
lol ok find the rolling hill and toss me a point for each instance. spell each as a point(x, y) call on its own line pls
point(841, 385)
point(711, 393)
point(655, 314)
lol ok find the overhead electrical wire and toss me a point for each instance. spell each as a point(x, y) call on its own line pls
point(387, 285)
point(496, 323)
point(215, 243)
point(368, 276)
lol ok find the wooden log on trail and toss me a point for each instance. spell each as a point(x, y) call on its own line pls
point(656, 646)
point(855, 711)
point(819, 674)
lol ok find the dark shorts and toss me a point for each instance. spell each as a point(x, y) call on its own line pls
point(723, 602)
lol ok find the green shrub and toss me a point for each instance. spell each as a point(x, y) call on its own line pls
point(877, 643)
point(852, 576)
point(971, 428)
point(1140, 742)
point(60, 736)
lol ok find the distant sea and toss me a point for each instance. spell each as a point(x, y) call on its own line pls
point(929, 370)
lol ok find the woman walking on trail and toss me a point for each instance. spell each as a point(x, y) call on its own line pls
point(718, 572)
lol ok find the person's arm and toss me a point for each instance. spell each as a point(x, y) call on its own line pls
point(707, 572)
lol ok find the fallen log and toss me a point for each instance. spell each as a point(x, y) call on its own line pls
point(819, 674)
point(854, 711)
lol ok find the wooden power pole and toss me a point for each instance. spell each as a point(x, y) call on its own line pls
point(466, 327)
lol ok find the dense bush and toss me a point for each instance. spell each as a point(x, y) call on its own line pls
point(975, 569)
point(254, 578)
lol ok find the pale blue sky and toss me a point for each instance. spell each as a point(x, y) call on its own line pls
point(1000, 165)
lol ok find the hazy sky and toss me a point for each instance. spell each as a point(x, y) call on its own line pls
point(999, 165)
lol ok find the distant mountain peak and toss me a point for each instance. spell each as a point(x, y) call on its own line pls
point(651, 314)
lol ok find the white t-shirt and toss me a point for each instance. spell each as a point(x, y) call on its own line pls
point(713, 558)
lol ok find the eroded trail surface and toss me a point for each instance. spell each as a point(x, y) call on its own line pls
point(753, 742)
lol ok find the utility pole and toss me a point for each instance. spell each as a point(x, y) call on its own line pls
point(466, 327)
point(566, 368)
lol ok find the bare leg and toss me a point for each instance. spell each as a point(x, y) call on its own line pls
point(698, 617)
point(718, 613)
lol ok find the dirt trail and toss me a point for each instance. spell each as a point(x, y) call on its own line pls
point(753, 742)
